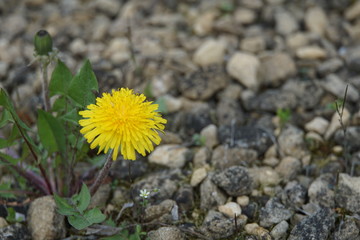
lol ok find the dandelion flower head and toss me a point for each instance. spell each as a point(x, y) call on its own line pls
point(122, 121)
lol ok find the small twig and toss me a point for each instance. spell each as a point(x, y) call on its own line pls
point(103, 173)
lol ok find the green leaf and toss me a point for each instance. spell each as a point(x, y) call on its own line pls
point(90, 217)
point(51, 132)
point(83, 86)
point(63, 207)
point(5, 190)
point(161, 105)
point(83, 198)
point(10, 140)
point(60, 79)
point(5, 118)
point(8, 158)
point(95, 216)
point(72, 117)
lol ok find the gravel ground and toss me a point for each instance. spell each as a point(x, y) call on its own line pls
point(253, 149)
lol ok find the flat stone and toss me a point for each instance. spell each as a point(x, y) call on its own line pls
point(198, 176)
point(265, 176)
point(244, 15)
point(161, 212)
point(210, 135)
point(294, 194)
point(353, 11)
point(253, 44)
point(166, 233)
point(285, 22)
point(351, 140)
point(337, 86)
point(184, 197)
point(311, 53)
point(256, 230)
point(316, 20)
point(348, 229)
point(279, 231)
point(291, 142)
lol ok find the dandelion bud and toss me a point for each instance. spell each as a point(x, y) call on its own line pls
point(42, 43)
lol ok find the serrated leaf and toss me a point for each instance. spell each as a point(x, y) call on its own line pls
point(95, 216)
point(51, 132)
point(83, 85)
point(60, 79)
point(63, 207)
point(78, 222)
point(83, 198)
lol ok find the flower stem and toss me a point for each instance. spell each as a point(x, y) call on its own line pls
point(45, 86)
point(102, 175)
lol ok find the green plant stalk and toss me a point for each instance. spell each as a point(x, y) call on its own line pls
point(102, 175)
point(45, 85)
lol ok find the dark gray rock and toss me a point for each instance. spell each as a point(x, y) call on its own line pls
point(197, 119)
point(224, 157)
point(307, 93)
point(15, 232)
point(271, 100)
point(210, 195)
point(273, 213)
point(234, 180)
point(315, 227)
point(347, 193)
point(330, 66)
point(126, 170)
point(165, 181)
point(203, 84)
point(294, 194)
point(229, 110)
point(184, 197)
point(347, 230)
point(246, 137)
point(166, 233)
point(352, 139)
point(321, 190)
point(217, 226)
point(165, 212)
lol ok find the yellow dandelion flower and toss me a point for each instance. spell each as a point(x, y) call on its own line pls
point(122, 120)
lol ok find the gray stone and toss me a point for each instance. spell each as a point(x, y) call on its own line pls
point(347, 193)
point(308, 93)
point(321, 191)
point(244, 68)
point(44, 222)
point(291, 142)
point(234, 180)
point(271, 100)
point(210, 135)
point(316, 20)
point(311, 53)
point(246, 137)
point(229, 111)
point(279, 231)
point(166, 233)
point(169, 155)
point(120, 169)
point(353, 11)
point(203, 84)
point(217, 226)
point(294, 194)
point(330, 66)
point(265, 176)
point(164, 181)
point(288, 168)
point(224, 157)
point(184, 198)
point(161, 213)
point(15, 231)
point(352, 139)
point(337, 86)
point(315, 227)
point(348, 230)
point(255, 230)
point(285, 22)
point(253, 44)
point(210, 52)
point(210, 195)
point(273, 212)
point(100, 198)
point(276, 68)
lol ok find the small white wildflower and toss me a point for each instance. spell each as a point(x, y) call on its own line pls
point(144, 193)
